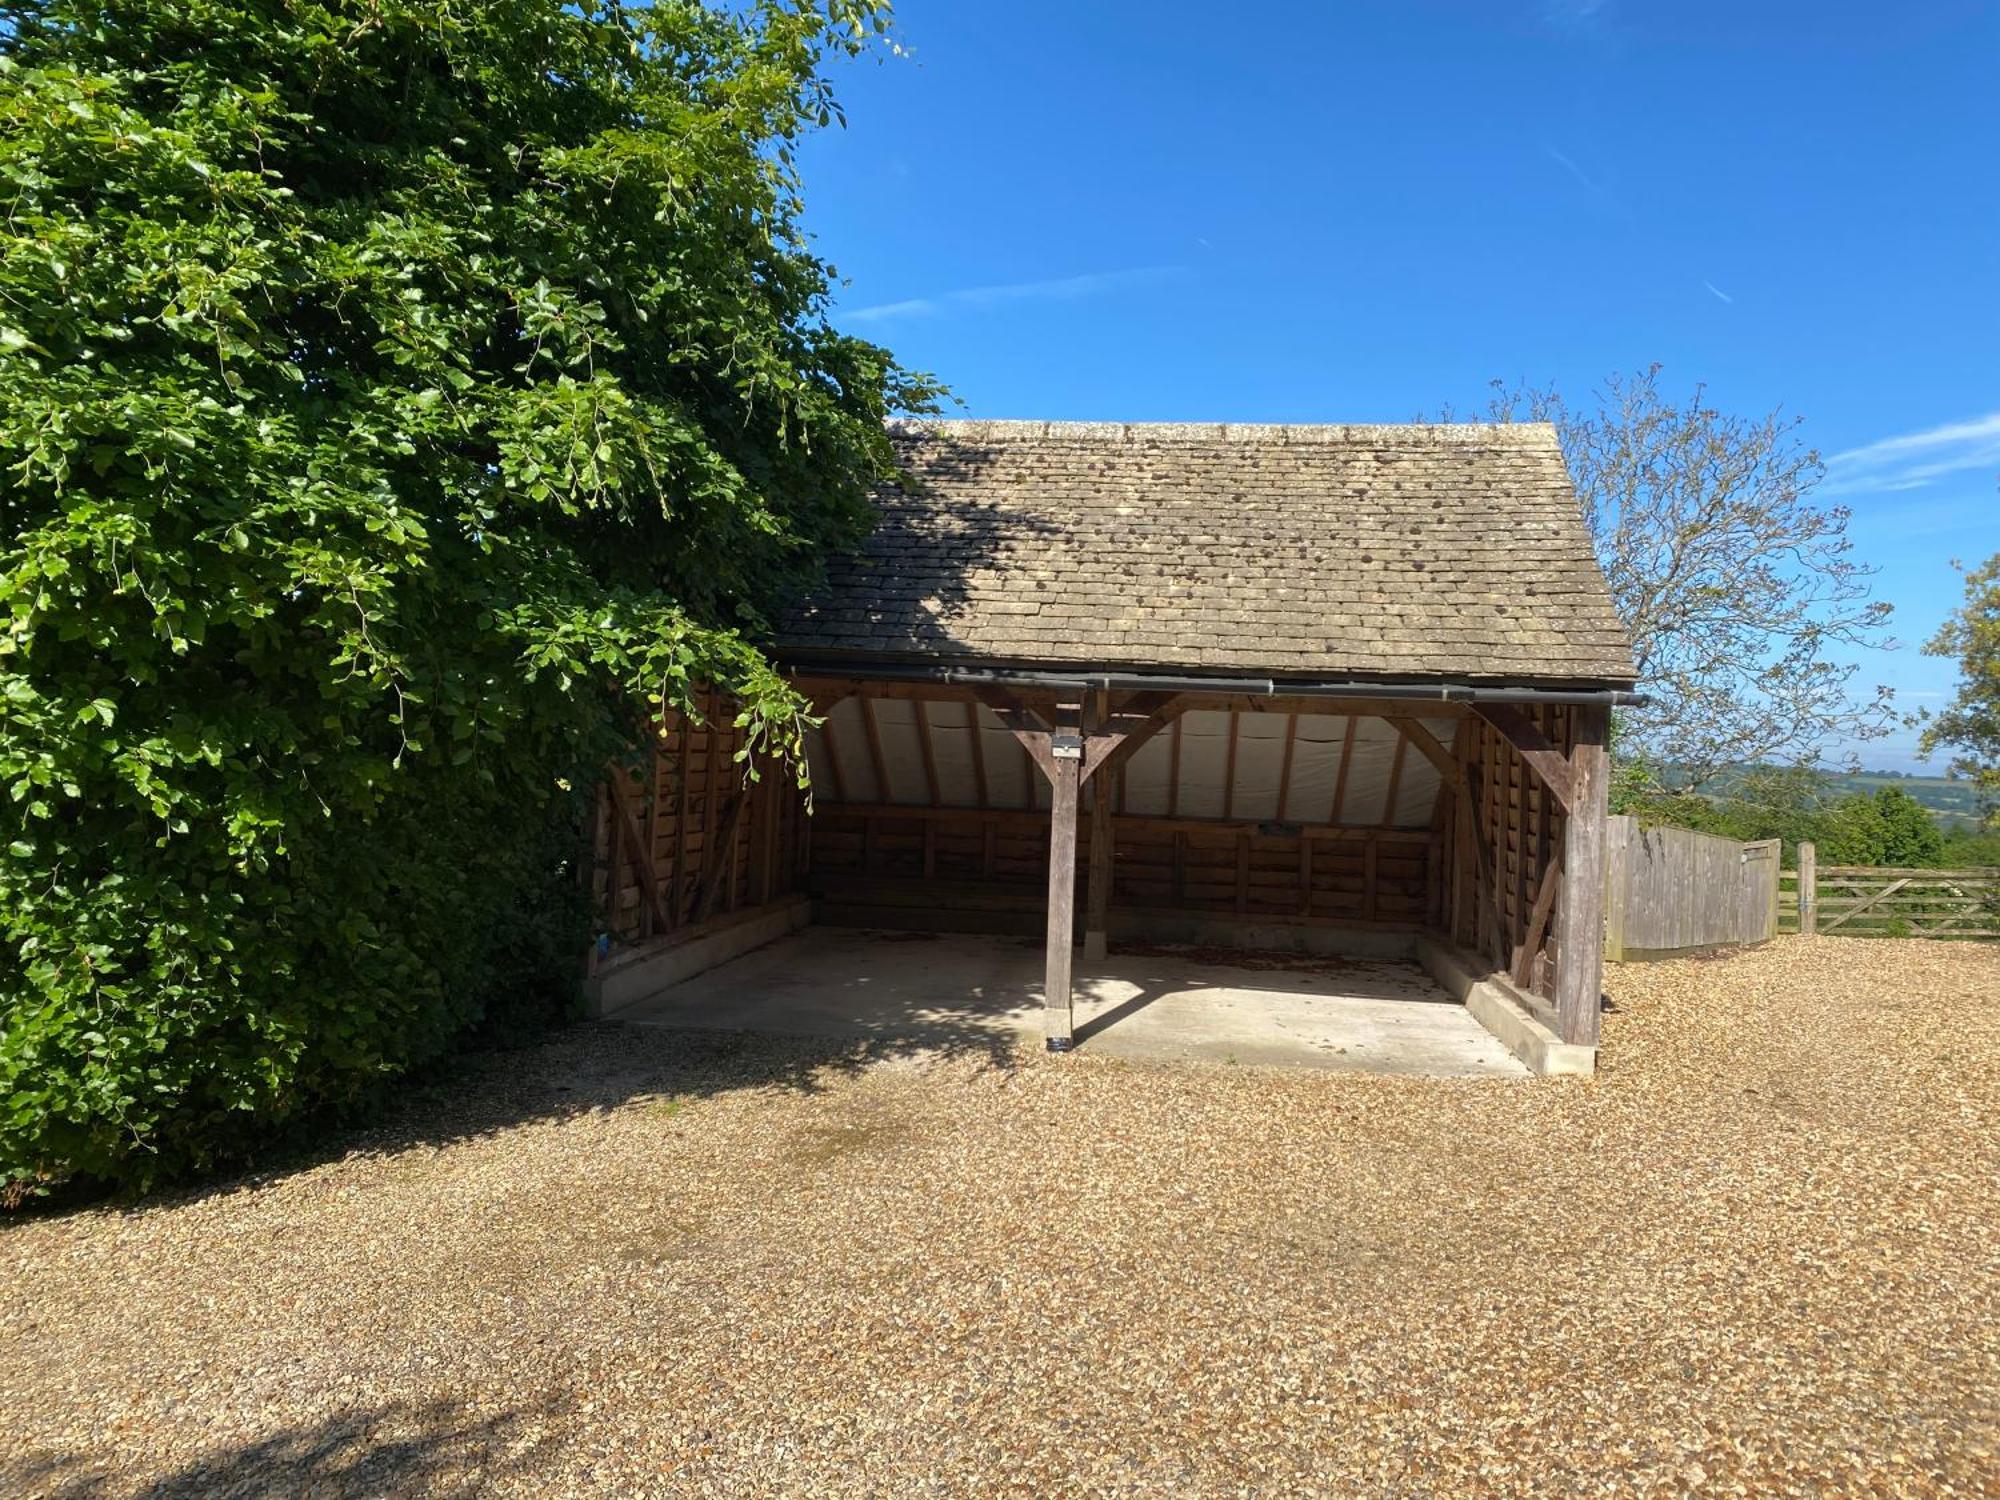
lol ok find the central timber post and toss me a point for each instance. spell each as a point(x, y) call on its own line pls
point(1065, 777)
point(1097, 888)
point(1100, 740)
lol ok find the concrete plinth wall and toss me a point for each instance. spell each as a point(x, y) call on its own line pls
point(647, 970)
point(1505, 1012)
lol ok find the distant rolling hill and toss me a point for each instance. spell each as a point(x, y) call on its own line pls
point(1955, 804)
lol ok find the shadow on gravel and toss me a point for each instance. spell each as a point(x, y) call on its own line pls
point(390, 1449)
point(590, 1067)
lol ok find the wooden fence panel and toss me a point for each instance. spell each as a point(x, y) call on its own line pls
point(1671, 890)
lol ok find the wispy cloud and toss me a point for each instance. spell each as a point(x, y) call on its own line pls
point(1576, 15)
point(1913, 460)
point(1718, 292)
point(1058, 289)
point(1590, 184)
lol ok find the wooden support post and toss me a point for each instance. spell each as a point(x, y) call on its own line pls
point(974, 733)
point(1580, 963)
point(1063, 764)
point(735, 847)
point(1057, 1015)
point(1097, 905)
point(767, 833)
point(1229, 771)
point(1285, 767)
point(929, 754)
point(704, 868)
point(650, 827)
point(678, 897)
point(1808, 889)
point(1340, 777)
point(1486, 867)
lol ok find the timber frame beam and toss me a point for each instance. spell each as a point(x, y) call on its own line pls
point(1542, 757)
point(1103, 738)
point(1580, 914)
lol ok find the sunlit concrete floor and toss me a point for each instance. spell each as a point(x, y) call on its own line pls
point(1159, 1004)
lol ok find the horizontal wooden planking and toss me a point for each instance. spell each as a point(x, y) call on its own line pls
point(896, 893)
point(1197, 864)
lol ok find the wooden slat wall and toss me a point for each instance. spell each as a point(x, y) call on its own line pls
point(1523, 828)
point(1337, 875)
point(680, 805)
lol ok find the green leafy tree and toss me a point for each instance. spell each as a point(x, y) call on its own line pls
point(1889, 827)
point(1790, 803)
point(1970, 724)
point(398, 400)
point(1966, 848)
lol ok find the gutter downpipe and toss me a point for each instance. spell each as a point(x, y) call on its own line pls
point(1249, 687)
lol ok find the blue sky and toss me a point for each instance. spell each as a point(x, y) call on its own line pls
point(1365, 212)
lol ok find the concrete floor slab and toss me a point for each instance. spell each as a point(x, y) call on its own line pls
point(1161, 1004)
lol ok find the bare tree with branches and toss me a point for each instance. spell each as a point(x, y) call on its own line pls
point(1737, 586)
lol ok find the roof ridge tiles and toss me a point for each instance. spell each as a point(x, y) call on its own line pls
point(993, 429)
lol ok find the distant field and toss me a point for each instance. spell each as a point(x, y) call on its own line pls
point(1955, 804)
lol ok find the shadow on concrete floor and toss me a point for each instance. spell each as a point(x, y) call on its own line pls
point(1156, 1004)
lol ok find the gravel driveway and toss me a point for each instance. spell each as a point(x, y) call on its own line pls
point(1761, 1250)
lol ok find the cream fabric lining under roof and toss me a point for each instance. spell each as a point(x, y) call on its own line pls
point(1310, 794)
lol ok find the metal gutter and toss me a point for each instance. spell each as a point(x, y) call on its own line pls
point(1251, 687)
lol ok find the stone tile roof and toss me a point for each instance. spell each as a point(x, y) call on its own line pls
point(1410, 552)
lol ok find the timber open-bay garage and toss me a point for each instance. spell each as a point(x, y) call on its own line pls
point(1261, 743)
